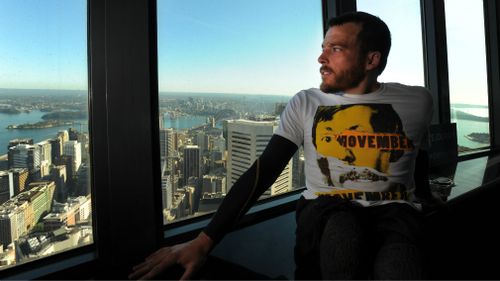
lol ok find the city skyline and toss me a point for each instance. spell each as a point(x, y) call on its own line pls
point(200, 47)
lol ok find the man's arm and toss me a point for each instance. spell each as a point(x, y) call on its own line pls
point(246, 190)
point(250, 186)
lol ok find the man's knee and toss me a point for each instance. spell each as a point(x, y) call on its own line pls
point(341, 247)
point(399, 261)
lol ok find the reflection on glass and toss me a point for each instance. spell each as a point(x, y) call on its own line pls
point(467, 73)
point(226, 71)
point(405, 63)
point(45, 205)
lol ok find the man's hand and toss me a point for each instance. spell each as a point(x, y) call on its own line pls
point(190, 255)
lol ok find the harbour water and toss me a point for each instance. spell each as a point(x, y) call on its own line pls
point(464, 127)
point(36, 134)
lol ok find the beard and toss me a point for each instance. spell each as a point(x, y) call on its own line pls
point(344, 80)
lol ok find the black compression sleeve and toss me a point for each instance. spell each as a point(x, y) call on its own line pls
point(247, 189)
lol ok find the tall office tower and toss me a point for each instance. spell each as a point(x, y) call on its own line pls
point(202, 140)
point(24, 156)
point(161, 121)
point(192, 199)
point(44, 169)
point(82, 185)
point(15, 142)
point(167, 148)
point(167, 191)
point(191, 163)
point(246, 142)
point(63, 135)
point(73, 149)
point(170, 184)
point(66, 161)
point(19, 179)
point(45, 151)
point(56, 149)
point(59, 176)
point(8, 226)
point(6, 186)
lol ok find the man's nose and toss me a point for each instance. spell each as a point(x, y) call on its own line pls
point(322, 58)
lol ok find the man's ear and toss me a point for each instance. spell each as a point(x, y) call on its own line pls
point(373, 60)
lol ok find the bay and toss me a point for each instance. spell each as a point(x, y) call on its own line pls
point(36, 134)
point(183, 122)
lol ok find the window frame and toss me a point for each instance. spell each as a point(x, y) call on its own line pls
point(127, 220)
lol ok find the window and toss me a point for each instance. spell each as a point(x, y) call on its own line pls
point(45, 205)
point(226, 71)
point(467, 73)
point(405, 63)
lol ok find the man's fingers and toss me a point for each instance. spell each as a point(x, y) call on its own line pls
point(158, 267)
point(152, 267)
point(139, 270)
point(187, 273)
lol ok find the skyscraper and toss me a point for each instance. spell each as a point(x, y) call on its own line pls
point(24, 156)
point(246, 142)
point(167, 148)
point(73, 148)
point(191, 163)
point(45, 148)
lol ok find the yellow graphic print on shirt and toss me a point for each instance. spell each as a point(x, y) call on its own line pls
point(363, 139)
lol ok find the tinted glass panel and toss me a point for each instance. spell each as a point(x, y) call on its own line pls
point(226, 70)
point(45, 205)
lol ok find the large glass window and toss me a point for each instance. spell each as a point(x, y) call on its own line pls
point(226, 70)
point(405, 63)
point(467, 73)
point(45, 205)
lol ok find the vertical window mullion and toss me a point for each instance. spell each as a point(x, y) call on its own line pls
point(436, 59)
point(492, 11)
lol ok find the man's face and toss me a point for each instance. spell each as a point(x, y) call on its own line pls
point(351, 122)
point(342, 68)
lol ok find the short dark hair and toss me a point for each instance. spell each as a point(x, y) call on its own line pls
point(373, 36)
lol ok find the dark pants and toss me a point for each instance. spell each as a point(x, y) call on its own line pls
point(336, 239)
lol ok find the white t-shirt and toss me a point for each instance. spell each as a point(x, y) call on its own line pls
point(360, 147)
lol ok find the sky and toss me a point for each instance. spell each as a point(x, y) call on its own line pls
point(233, 46)
point(43, 44)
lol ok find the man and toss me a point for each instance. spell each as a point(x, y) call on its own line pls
point(357, 217)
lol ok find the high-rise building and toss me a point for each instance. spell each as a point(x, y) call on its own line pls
point(24, 156)
point(45, 148)
point(203, 141)
point(246, 142)
point(191, 163)
point(167, 139)
point(6, 186)
point(59, 176)
point(169, 184)
point(67, 161)
point(19, 179)
point(73, 148)
point(56, 148)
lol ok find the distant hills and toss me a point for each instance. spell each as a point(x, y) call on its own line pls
point(466, 116)
point(41, 92)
